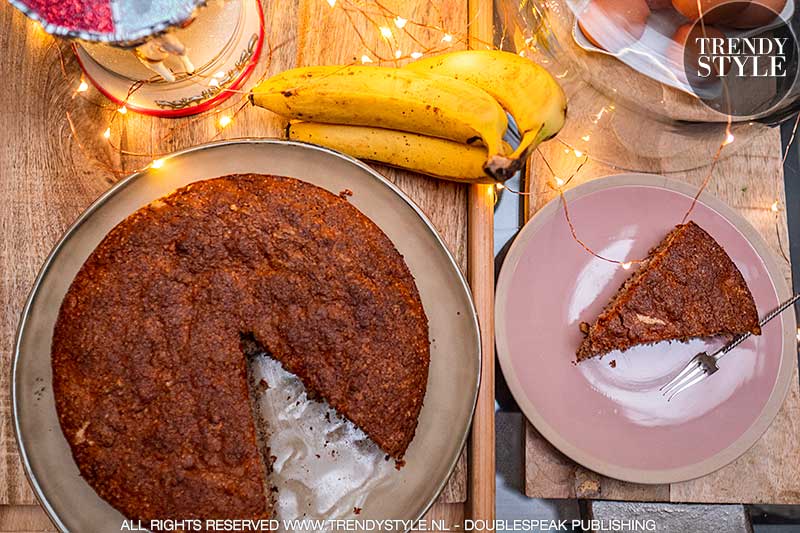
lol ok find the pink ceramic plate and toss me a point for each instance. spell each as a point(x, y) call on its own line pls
point(613, 419)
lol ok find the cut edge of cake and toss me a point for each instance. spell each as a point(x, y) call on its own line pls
point(598, 340)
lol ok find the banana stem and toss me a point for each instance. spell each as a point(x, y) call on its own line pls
point(502, 168)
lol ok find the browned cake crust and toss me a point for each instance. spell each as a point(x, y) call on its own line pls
point(687, 287)
point(149, 374)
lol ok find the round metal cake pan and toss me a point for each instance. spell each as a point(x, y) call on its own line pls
point(455, 351)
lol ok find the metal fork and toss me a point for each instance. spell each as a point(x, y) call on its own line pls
point(703, 365)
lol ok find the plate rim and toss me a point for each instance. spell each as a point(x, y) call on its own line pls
point(637, 475)
point(123, 183)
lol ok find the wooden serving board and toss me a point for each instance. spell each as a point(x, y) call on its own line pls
point(48, 176)
point(749, 178)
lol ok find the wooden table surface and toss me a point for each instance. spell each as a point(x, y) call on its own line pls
point(766, 473)
point(749, 178)
point(50, 174)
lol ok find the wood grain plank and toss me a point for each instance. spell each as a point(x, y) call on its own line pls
point(24, 519)
point(748, 178)
point(745, 179)
point(47, 179)
point(481, 279)
point(481, 202)
point(41, 191)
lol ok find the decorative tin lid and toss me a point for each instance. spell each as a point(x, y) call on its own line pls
point(120, 22)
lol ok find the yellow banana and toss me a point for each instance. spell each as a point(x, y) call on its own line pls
point(391, 98)
point(524, 89)
point(440, 158)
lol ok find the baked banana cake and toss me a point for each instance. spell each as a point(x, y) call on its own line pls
point(687, 287)
point(149, 353)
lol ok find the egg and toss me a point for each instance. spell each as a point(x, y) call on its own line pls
point(684, 51)
point(758, 13)
point(712, 10)
point(613, 24)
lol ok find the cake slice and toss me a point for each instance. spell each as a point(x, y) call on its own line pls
point(687, 287)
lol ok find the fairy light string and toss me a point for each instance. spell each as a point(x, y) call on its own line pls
point(390, 24)
point(389, 28)
point(558, 184)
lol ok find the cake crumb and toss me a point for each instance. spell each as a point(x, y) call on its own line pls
point(399, 464)
point(344, 193)
point(356, 510)
point(613, 363)
point(584, 327)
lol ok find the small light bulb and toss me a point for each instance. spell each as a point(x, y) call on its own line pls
point(386, 32)
point(400, 22)
point(83, 87)
point(499, 186)
point(578, 153)
point(157, 163)
point(774, 206)
point(729, 138)
point(798, 334)
point(398, 54)
point(107, 133)
point(522, 53)
point(122, 110)
point(626, 265)
point(219, 74)
point(559, 181)
point(586, 138)
point(332, 3)
point(213, 82)
point(224, 121)
point(447, 38)
point(416, 55)
point(366, 59)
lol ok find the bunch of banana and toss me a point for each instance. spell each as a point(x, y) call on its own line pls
point(527, 91)
point(443, 116)
point(436, 157)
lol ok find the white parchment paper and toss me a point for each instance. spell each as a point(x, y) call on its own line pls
point(324, 467)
